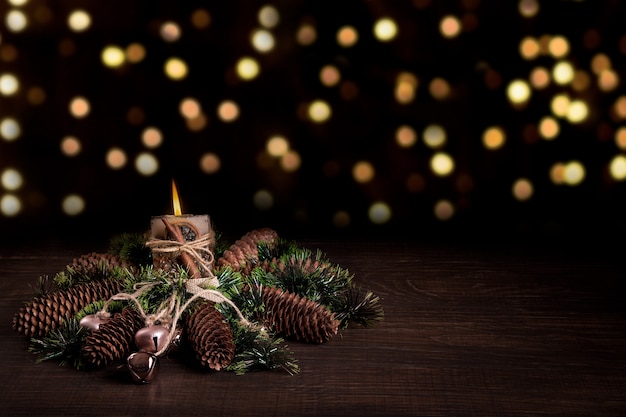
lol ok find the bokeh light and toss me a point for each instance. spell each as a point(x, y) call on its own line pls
point(73, 204)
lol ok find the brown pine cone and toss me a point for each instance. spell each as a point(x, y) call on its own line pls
point(47, 312)
point(246, 248)
point(96, 264)
point(210, 337)
point(114, 340)
point(297, 317)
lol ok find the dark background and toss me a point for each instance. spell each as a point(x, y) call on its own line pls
point(361, 128)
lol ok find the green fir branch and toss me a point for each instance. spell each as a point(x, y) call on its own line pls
point(63, 343)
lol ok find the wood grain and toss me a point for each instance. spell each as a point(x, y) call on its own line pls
point(467, 332)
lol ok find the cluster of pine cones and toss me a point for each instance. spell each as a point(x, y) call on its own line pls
point(205, 329)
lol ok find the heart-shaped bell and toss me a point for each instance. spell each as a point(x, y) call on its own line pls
point(152, 338)
point(143, 366)
point(93, 321)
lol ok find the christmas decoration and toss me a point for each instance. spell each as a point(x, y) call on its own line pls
point(231, 307)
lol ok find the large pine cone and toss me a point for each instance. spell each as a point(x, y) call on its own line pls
point(113, 341)
point(96, 265)
point(297, 317)
point(47, 312)
point(210, 337)
point(246, 248)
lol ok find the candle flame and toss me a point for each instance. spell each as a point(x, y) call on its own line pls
point(176, 200)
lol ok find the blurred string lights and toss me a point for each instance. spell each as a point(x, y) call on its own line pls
point(387, 112)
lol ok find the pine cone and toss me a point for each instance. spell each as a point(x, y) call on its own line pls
point(96, 264)
point(47, 312)
point(113, 340)
point(297, 317)
point(210, 337)
point(246, 248)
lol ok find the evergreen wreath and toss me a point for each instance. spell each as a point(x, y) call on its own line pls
point(106, 309)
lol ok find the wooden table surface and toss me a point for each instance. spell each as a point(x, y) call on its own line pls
point(468, 332)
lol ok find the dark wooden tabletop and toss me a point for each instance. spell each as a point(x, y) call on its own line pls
point(467, 332)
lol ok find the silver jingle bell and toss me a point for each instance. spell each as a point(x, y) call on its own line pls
point(152, 338)
point(143, 366)
point(93, 321)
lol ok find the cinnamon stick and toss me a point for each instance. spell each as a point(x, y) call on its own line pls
point(185, 257)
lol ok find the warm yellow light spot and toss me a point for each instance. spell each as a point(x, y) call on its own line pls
point(11, 179)
point(439, 88)
point(277, 146)
point(540, 78)
point(379, 212)
point(70, 146)
point(135, 52)
point(228, 111)
point(347, 36)
point(577, 112)
point(151, 137)
point(557, 173)
point(529, 48)
point(113, 56)
point(573, 173)
point(10, 129)
point(247, 68)
point(442, 164)
point(319, 111)
point(73, 205)
point(116, 158)
point(263, 200)
point(493, 138)
point(16, 21)
point(307, 34)
point(581, 80)
point(197, 123)
point(558, 47)
point(620, 138)
point(200, 19)
point(560, 105)
point(608, 80)
point(522, 189)
point(170, 31)
point(146, 164)
point(434, 136)
point(290, 161)
point(268, 16)
point(450, 26)
point(9, 84)
point(176, 68)
point(330, 76)
point(190, 108)
point(341, 219)
point(10, 205)
point(600, 62)
point(563, 73)
point(79, 107)
point(406, 84)
point(518, 92)
point(210, 163)
point(443, 210)
point(385, 29)
point(617, 168)
point(548, 128)
point(619, 107)
point(528, 8)
point(363, 172)
point(79, 21)
point(262, 40)
point(406, 136)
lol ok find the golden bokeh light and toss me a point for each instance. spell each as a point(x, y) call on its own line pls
point(385, 29)
point(620, 138)
point(563, 73)
point(540, 78)
point(558, 46)
point(617, 167)
point(79, 20)
point(190, 108)
point(10, 129)
point(600, 62)
point(522, 189)
point(16, 21)
point(175, 68)
point(146, 164)
point(529, 48)
point(528, 8)
point(170, 31)
point(434, 136)
point(9, 84)
point(70, 146)
point(262, 40)
point(577, 112)
point(197, 123)
point(277, 146)
point(200, 19)
point(450, 26)
point(290, 161)
point(319, 111)
point(10, 205)
point(330, 75)
point(443, 210)
point(619, 107)
point(210, 163)
point(116, 158)
point(406, 86)
point(406, 136)
point(608, 80)
point(268, 16)
point(494, 137)
point(151, 137)
point(228, 111)
point(548, 128)
point(11, 179)
point(363, 172)
point(560, 105)
point(379, 212)
point(581, 80)
point(73, 205)
point(518, 92)
point(442, 164)
point(247, 68)
point(79, 107)
point(306, 35)
point(135, 52)
point(439, 88)
point(347, 36)
point(113, 56)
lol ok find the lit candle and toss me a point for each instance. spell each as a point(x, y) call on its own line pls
point(182, 228)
